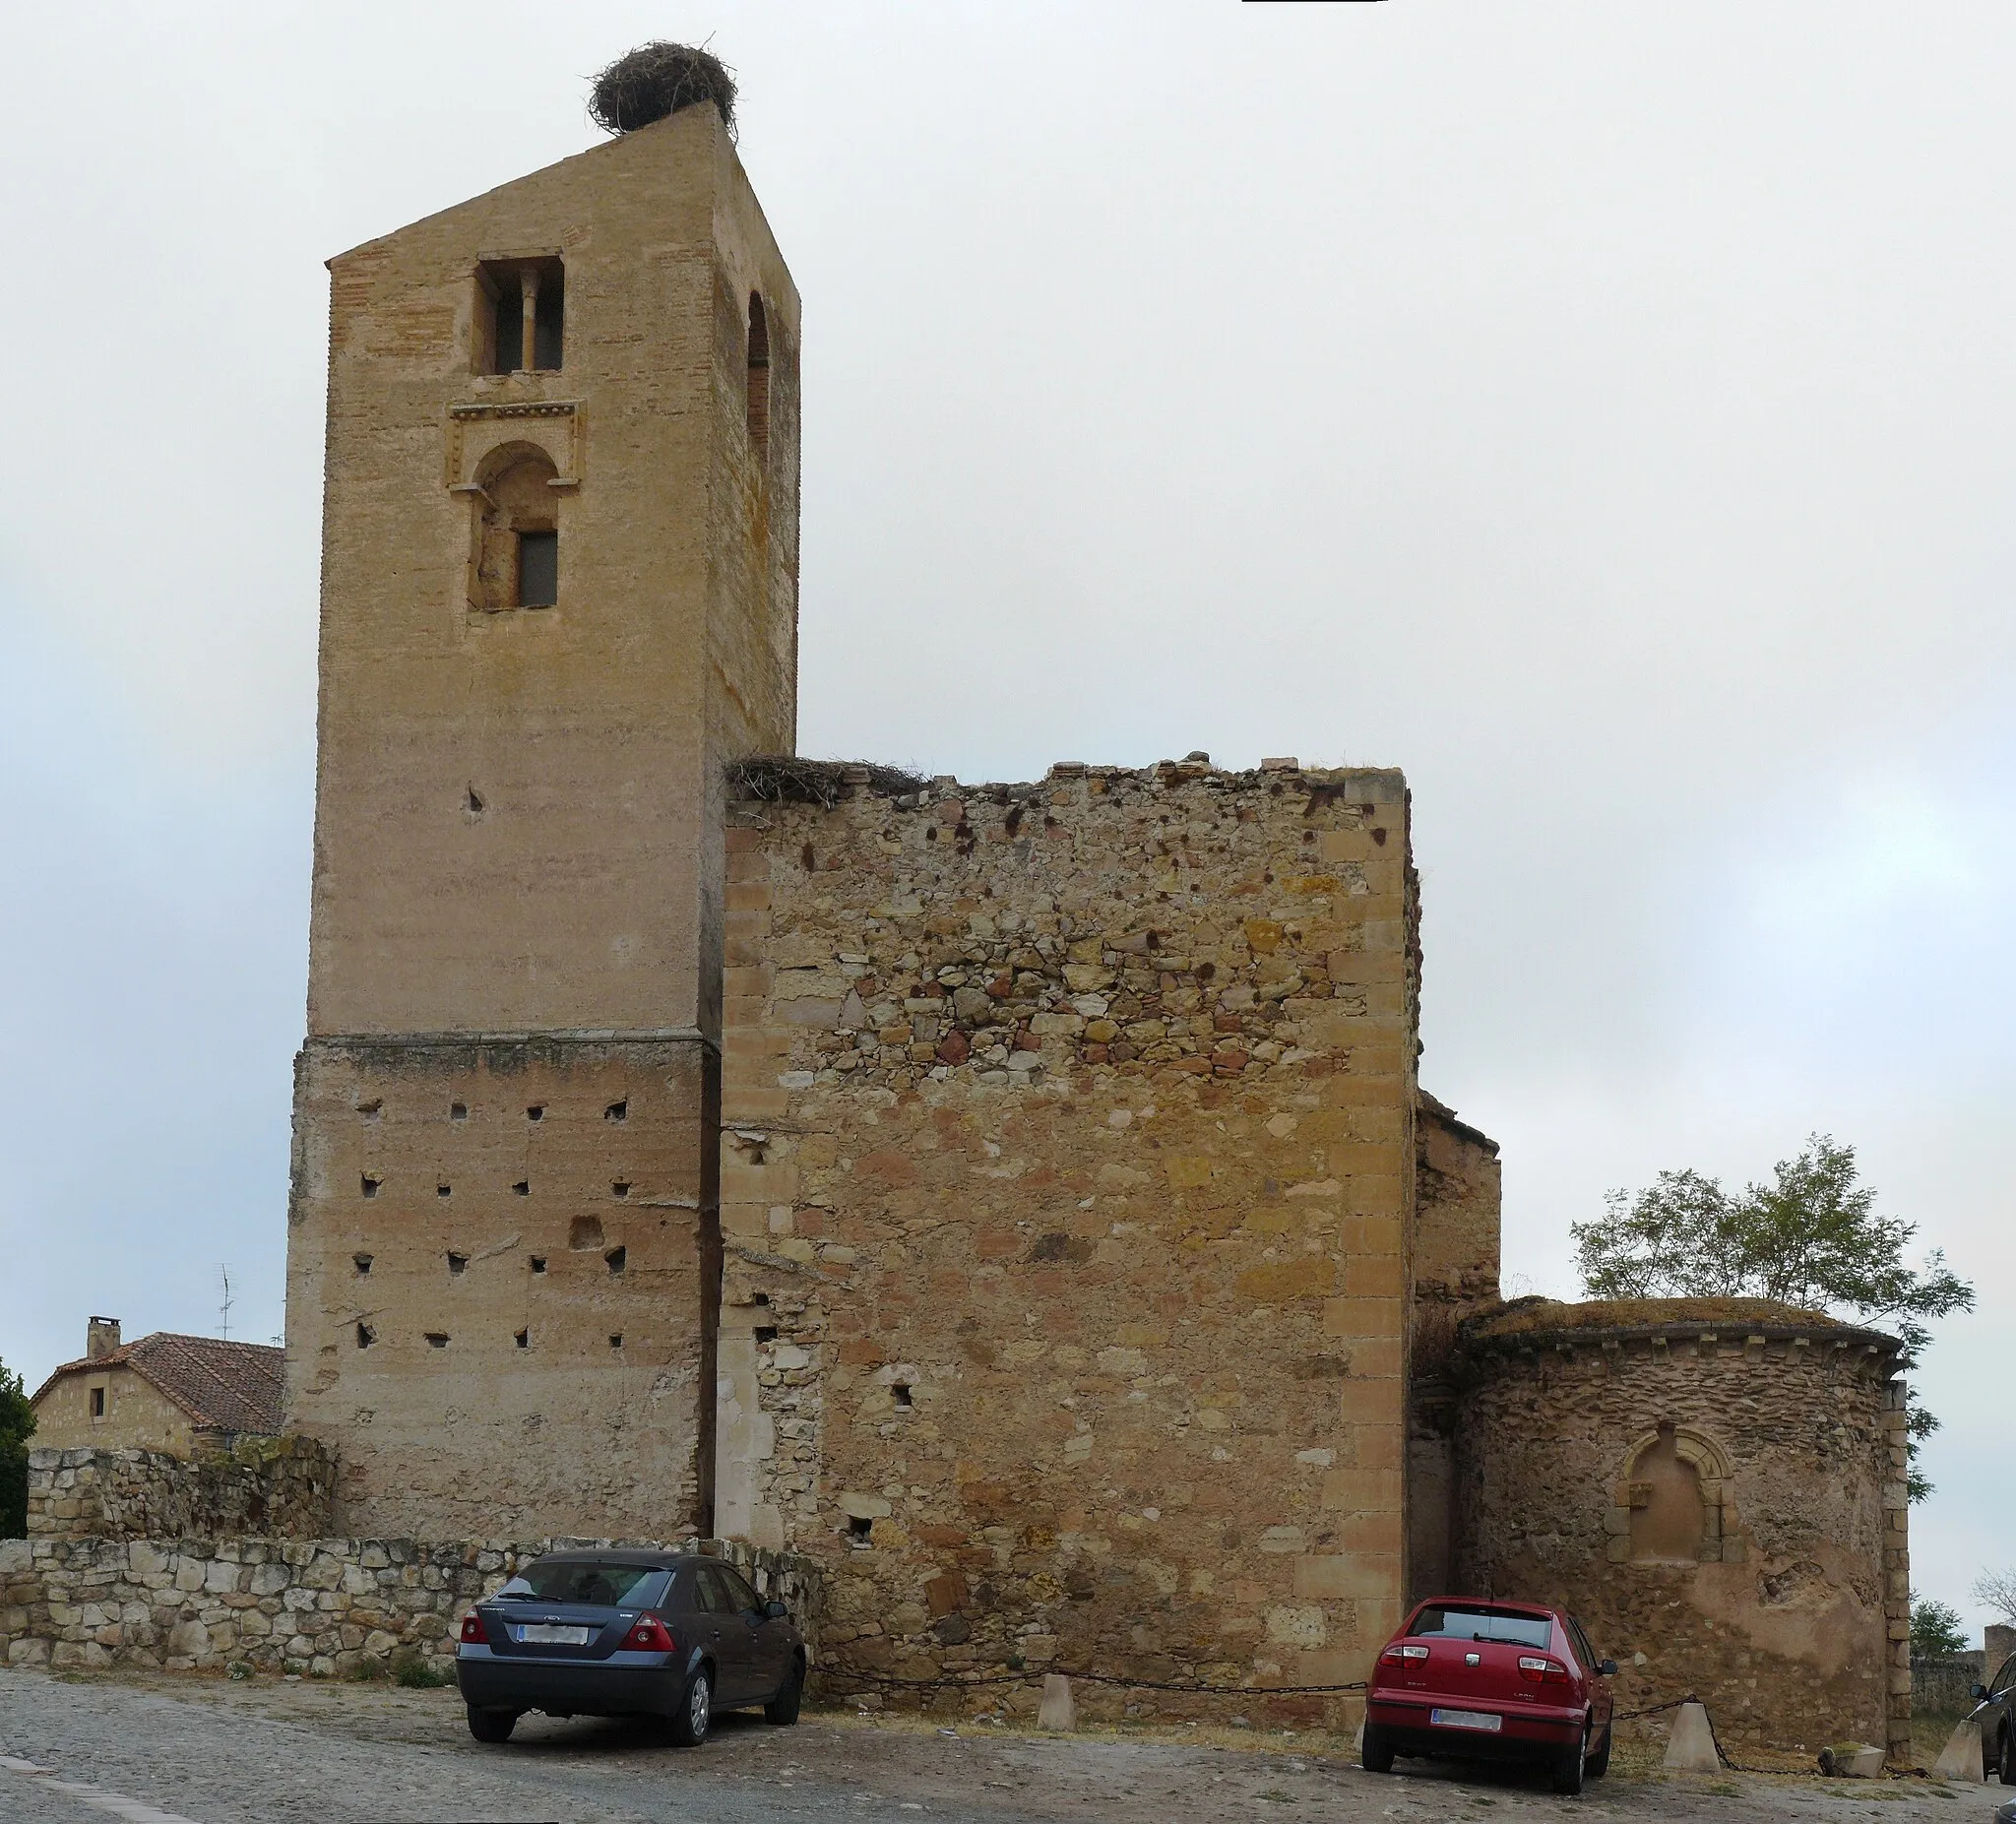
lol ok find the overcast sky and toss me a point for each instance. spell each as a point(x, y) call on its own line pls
point(1600, 411)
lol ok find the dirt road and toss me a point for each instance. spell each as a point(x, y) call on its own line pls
point(156, 1749)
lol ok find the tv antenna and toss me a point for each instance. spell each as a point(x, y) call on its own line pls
point(223, 1309)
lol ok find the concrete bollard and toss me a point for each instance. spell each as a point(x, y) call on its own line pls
point(1056, 1710)
point(1959, 1758)
point(1691, 1748)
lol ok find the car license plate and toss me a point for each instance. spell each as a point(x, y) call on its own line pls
point(1464, 1718)
point(547, 1634)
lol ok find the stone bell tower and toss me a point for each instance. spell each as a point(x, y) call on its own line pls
point(559, 590)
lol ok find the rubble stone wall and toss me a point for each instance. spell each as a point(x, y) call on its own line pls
point(1789, 1615)
point(1066, 1177)
point(324, 1608)
point(279, 1487)
point(1455, 1235)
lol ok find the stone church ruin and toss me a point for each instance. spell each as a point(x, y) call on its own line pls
point(1009, 1209)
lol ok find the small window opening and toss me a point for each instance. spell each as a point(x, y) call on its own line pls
point(902, 1392)
point(617, 1259)
point(437, 1339)
point(584, 1232)
point(370, 1110)
point(766, 1333)
point(458, 1112)
point(444, 1191)
point(759, 378)
point(98, 1403)
point(550, 316)
point(539, 1263)
point(621, 1188)
point(539, 569)
point(362, 1263)
point(761, 1299)
point(366, 1336)
point(617, 1339)
point(523, 1188)
point(457, 1263)
point(616, 1112)
point(523, 1339)
point(536, 1112)
point(859, 1525)
point(371, 1184)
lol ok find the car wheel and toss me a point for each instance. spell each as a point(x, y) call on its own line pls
point(784, 1707)
point(1570, 1765)
point(1375, 1754)
point(2006, 1771)
point(695, 1711)
point(491, 1725)
point(1600, 1761)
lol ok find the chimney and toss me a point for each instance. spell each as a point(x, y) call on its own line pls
point(100, 1338)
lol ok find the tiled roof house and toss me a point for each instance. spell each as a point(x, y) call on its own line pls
point(165, 1392)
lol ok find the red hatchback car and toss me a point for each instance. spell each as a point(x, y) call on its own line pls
point(1471, 1679)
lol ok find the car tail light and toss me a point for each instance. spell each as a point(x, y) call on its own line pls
point(472, 1634)
point(1399, 1656)
point(1538, 1670)
point(648, 1634)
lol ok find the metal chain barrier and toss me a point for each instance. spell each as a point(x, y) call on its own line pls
point(1113, 1678)
point(887, 1683)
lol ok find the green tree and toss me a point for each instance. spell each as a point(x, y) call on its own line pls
point(1809, 1237)
point(17, 1421)
point(1935, 1628)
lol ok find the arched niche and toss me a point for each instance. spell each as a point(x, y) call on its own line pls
point(1675, 1503)
point(515, 548)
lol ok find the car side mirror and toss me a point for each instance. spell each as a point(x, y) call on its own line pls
point(774, 1610)
point(1977, 1692)
point(1608, 1668)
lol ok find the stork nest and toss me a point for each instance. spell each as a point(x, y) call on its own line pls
point(785, 779)
point(660, 79)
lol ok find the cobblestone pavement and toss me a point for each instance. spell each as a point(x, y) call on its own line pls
point(149, 1749)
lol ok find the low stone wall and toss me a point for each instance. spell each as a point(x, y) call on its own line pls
point(326, 1607)
point(272, 1488)
point(1939, 1686)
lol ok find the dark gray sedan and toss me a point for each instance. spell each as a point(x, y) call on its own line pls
point(666, 1635)
point(1995, 1709)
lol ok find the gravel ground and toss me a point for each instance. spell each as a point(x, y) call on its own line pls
point(144, 1747)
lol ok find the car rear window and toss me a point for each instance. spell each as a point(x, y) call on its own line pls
point(1506, 1626)
point(601, 1586)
